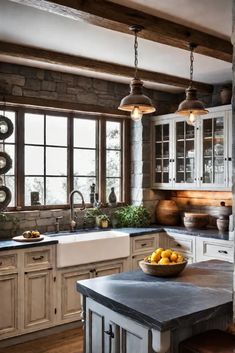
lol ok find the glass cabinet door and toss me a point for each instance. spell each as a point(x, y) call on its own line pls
point(162, 154)
point(213, 151)
point(185, 153)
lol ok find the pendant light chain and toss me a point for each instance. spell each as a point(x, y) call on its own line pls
point(136, 53)
point(191, 65)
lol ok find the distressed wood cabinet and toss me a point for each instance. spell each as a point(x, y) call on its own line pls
point(196, 158)
point(69, 301)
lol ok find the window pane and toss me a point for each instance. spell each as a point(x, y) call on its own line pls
point(56, 161)
point(34, 160)
point(10, 183)
point(34, 129)
point(84, 133)
point(84, 162)
point(56, 130)
point(116, 184)
point(33, 184)
point(113, 160)
point(83, 184)
point(11, 116)
point(10, 149)
point(113, 135)
point(56, 191)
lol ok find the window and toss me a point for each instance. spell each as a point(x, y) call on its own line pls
point(8, 146)
point(113, 158)
point(59, 152)
point(46, 158)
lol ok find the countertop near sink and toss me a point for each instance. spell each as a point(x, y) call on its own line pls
point(12, 244)
point(207, 233)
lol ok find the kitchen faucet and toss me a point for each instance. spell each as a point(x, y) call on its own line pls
point(71, 203)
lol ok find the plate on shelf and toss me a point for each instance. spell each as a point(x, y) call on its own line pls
point(22, 239)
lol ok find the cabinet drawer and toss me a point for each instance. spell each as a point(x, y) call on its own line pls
point(143, 244)
point(210, 249)
point(136, 259)
point(8, 262)
point(181, 243)
point(40, 258)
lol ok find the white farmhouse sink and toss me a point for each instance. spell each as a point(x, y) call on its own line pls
point(83, 248)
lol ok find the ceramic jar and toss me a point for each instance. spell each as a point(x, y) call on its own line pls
point(167, 213)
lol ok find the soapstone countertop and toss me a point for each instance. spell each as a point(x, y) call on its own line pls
point(10, 244)
point(203, 290)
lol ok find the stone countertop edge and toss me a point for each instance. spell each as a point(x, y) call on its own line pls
point(207, 233)
point(12, 244)
point(114, 299)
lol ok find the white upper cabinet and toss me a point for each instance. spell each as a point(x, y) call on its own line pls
point(196, 158)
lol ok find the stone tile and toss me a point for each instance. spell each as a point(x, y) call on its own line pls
point(17, 91)
point(32, 84)
point(48, 86)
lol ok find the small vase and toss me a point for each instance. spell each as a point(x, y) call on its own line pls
point(112, 198)
point(104, 224)
point(222, 225)
point(226, 95)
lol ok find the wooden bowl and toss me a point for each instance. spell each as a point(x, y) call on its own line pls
point(195, 222)
point(162, 270)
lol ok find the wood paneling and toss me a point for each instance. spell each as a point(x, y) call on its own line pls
point(70, 341)
point(118, 18)
point(184, 199)
point(78, 62)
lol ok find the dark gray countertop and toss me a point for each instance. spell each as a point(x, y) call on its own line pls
point(203, 290)
point(12, 244)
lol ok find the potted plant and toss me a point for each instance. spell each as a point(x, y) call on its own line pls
point(133, 216)
point(103, 221)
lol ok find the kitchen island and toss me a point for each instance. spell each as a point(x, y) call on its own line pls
point(136, 313)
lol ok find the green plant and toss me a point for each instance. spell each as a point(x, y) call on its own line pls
point(92, 213)
point(103, 217)
point(133, 216)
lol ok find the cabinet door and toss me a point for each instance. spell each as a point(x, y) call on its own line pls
point(162, 154)
point(214, 158)
point(38, 299)
point(108, 269)
point(136, 259)
point(9, 305)
point(70, 300)
point(184, 162)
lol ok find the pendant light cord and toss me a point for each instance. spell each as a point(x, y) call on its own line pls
point(192, 46)
point(136, 53)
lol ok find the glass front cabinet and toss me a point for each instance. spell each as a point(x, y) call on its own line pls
point(188, 157)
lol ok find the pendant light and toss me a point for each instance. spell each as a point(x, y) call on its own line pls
point(191, 107)
point(136, 102)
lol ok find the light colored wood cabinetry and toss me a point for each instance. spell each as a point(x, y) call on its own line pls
point(196, 158)
point(185, 244)
point(26, 290)
point(141, 247)
point(69, 301)
point(208, 249)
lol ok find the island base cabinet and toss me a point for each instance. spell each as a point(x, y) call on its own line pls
point(107, 331)
point(9, 304)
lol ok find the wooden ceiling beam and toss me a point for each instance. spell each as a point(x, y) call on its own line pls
point(78, 62)
point(118, 18)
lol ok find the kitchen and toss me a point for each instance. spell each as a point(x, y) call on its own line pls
point(54, 77)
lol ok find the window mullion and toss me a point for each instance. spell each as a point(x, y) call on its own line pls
point(19, 156)
point(102, 160)
point(70, 164)
point(125, 138)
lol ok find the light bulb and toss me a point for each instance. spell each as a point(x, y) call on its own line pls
point(136, 114)
point(191, 120)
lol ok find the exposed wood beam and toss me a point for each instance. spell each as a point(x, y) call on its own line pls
point(53, 104)
point(55, 58)
point(116, 17)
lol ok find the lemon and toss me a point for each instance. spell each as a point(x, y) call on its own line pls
point(180, 259)
point(166, 254)
point(155, 257)
point(174, 256)
point(164, 261)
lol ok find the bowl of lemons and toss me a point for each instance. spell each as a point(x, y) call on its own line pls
point(163, 263)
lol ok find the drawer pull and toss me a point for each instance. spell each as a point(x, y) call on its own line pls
point(222, 251)
point(0, 263)
point(143, 244)
point(37, 258)
point(179, 245)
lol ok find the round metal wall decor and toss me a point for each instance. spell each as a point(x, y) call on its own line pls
point(6, 127)
point(5, 197)
point(5, 162)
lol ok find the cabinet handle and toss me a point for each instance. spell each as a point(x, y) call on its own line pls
point(222, 251)
point(110, 332)
point(173, 179)
point(225, 159)
point(229, 159)
point(0, 263)
point(143, 244)
point(92, 270)
point(179, 245)
point(37, 258)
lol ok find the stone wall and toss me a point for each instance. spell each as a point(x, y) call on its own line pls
point(17, 80)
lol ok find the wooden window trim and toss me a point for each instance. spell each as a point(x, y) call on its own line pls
point(101, 149)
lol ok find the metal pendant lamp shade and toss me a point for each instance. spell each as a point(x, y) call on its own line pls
point(136, 102)
point(191, 107)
